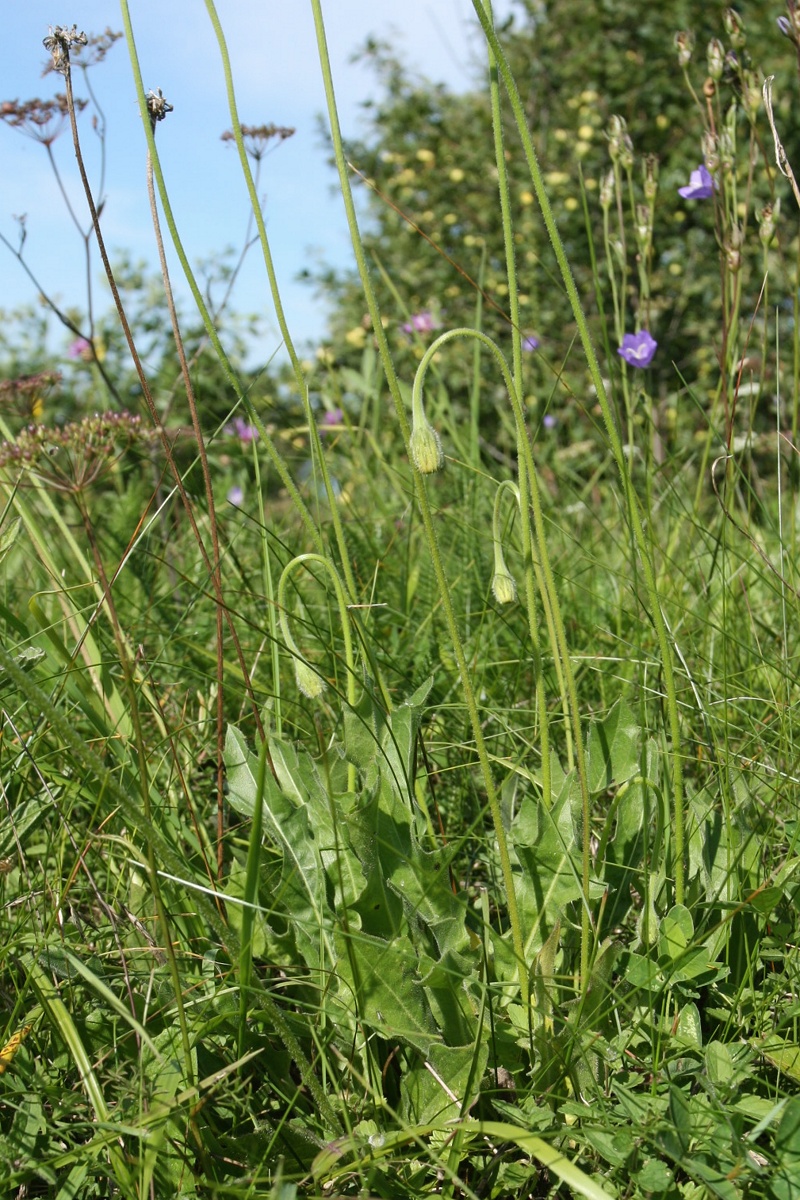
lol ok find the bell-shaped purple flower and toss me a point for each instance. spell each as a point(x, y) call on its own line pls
point(700, 186)
point(638, 348)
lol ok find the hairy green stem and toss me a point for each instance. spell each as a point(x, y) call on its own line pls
point(538, 564)
point(424, 508)
point(634, 515)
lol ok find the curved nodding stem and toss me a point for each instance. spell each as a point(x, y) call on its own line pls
point(308, 680)
point(423, 502)
point(504, 585)
point(665, 641)
point(538, 565)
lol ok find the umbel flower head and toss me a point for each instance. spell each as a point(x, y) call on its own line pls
point(68, 458)
point(257, 138)
point(638, 348)
point(42, 120)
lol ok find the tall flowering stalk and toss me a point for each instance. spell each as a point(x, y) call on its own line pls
point(426, 514)
point(309, 681)
point(642, 544)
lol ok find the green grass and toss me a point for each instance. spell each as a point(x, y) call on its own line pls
point(501, 900)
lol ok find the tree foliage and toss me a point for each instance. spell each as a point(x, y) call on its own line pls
point(429, 198)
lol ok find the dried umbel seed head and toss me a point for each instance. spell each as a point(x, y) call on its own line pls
point(257, 138)
point(42, 120)
point(59, 42)
point(26, 395)
point(70, 457)
point(92, 52)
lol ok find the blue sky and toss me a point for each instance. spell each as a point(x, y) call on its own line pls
point(273, 50)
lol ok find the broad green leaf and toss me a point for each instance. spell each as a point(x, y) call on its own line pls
point(436, 1090)
point(675, 932)
point(302, 896)
point(378, 981)
point(690, 1029)
point(782, 1054)
point(613, 747)
point(787, 1137)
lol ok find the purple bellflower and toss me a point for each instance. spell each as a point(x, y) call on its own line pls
point(638, 348)
point(530, 343)
point(700, 186)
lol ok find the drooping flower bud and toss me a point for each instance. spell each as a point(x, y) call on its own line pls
point(425, 447)
point(308, 681)
point(504, 586)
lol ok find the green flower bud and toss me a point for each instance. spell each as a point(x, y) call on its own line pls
point(504, 588)
point(734, 27)
point(767, 220)
point(716, 59)
point(684, 44)
point(607, 190)
point(425, 447)
point(650, 165)
point(308, 681)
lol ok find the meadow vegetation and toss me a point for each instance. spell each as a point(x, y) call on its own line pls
point(399, 773)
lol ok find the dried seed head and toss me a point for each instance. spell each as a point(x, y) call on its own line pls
point(257, 138)
point(157, 107)
point(59, 42)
